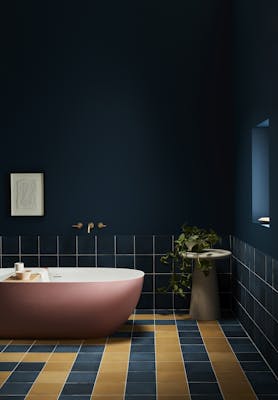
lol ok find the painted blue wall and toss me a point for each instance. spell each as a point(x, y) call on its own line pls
point(126, 108)
point(256, 99)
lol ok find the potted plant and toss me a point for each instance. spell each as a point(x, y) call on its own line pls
point(191, 240)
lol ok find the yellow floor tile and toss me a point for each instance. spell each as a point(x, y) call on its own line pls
point(109, 388)
point(217, 345)
point(36, 357)
point(51, 342)
point(23, 341)
point(164, 376)
point(71, 341)
point(180, 317)
point(167, 328)
point(41, 397)
point(117, 340)
point(117, 348)
point(5, 341)
point(52, 376)
point(172, 388)
point(11, 357)
point(204, 323)
point(143, 328)
point(3, 376)
point(112, 376)
point(170, 356)
point(211, 331)
point(57, 366)
point(60, 357)
point(46, 388)
point(170, 366)
point(222, 357)
point(167, 348)
point(100, 341)
point(171, 335)
point(113, 356)
point(140, 317)
point(164, 317)
point(107, 366)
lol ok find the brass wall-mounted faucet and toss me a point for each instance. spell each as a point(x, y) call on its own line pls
point(90, 226)
point(101, 225)
point(79, 225)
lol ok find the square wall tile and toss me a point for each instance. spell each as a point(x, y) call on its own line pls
point(29, 245)
point(125, 244)
point(67, 244)
point(86, 244)
point(163, 244)
point(164, 300)
point(8, 261)
point(145, 301)
point(162, 280)
point(182, 302)
point(160, 267)
point(125, 261)
point(10, 244)
point(67, 261)
point(144, 263)
point(148, 283)
point(48, 244)
point(260, 263)
point(105, 244)
point(106, 261)
point(87, 261)
point(30, 261)
point(48, 261)
point(144, 245)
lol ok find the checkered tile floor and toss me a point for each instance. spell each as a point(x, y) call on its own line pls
point(161, 355)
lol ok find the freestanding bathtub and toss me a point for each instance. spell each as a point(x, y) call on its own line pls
point(72, 303)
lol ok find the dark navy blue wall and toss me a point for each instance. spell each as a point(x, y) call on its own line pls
point(126, 108)
point(256, 98)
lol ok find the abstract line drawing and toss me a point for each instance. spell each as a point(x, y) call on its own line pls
point(27, 194)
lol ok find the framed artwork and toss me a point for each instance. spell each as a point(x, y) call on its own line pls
point(27, 194)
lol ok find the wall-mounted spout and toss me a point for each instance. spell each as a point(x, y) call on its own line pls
point(101, 225)
point(90, 226)
point(79, 225)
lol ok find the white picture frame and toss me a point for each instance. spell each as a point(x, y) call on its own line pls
point(27, 194)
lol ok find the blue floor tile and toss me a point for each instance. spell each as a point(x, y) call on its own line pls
point(90, 366)
point(263, 382)
point(7, 366)
point(141, 376)
point(142, 357)
point(164, 322)
point(138, 348)
point(30, 366)
point(2, 346)
point(15, 388)
point(204, 388)
point(187, 323)
point(85, 357)
point(23, 376)
point(64, 348)
point(242, 345)
point(233, 331)
point(193, 348)
point(191, 340)
point(42, 348)
point(65, 397)
point(200, 372)
point(254, 366)
point(143, 334)
point(195, 357)
point(121, 334)
point(144, 322)
point(4, 397)
point(17, 348)
point(79, 377)
point(90, 348)
point(142, 340)
point(207, 397)
point(249, 357)
point(188, 328)
point(141, 366)
point(189, 334)
point(142, 388)
point(77, 388)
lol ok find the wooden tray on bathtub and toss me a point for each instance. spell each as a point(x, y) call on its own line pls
point(13, 278)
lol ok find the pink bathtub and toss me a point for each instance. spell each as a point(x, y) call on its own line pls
point(74, 303)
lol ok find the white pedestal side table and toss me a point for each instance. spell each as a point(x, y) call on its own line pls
point(204, 304)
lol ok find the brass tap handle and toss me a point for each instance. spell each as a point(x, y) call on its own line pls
point(90, 226)
point(79, 225)
point(101, 225)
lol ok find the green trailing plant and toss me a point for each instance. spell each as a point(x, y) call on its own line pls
point(192, 239)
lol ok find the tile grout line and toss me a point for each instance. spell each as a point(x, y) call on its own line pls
point(184, 368)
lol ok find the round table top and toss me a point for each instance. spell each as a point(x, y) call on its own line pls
point(206, 254)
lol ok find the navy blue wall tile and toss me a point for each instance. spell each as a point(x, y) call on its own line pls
point(30, 261)
point(29, 244)
point(86, 244)
point(105, 244)
point(48, 244)
point(8, 261)
point(67, 261)
point(148, 283)
point(10, 244)
point(163, 244)
point(67, 244)
point(161, 267)
point(106, 261)
point(125, 261)
point(125, 244)
point(87, 261)
point(48, 261)
point(144, 245)
point(144, 263)
point(260, 263)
